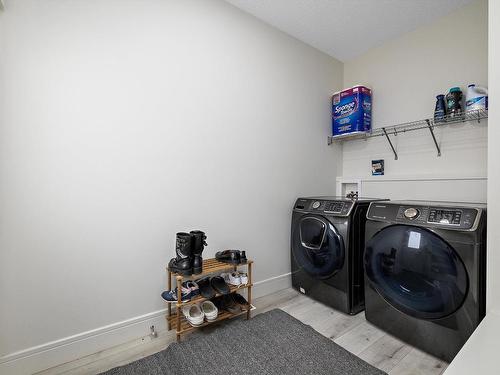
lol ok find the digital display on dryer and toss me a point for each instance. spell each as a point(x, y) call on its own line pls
point(445, 216)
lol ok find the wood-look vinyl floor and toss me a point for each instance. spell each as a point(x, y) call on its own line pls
point(352, 332)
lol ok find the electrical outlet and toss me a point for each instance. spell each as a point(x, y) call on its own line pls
point(153, 333)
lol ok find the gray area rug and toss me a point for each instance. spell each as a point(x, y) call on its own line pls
point(271, 343)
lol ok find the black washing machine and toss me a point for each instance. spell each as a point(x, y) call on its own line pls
point(425, 272)
point(327, 244)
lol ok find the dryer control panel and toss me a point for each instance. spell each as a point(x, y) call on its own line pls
point(460, 218)
point(445, 216)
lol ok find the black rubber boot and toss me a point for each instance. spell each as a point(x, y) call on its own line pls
point(197, 244)
point(183, 262)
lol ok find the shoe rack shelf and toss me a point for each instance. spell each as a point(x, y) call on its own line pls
point(175, 318)
point(200, 299)
point(186, 327)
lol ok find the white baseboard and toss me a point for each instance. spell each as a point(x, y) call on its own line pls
point(271, 285)
point(50, 354)
point(70, 348)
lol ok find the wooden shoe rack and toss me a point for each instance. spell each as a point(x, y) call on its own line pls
point(175, 318)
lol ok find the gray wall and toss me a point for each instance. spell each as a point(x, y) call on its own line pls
point(123, 122)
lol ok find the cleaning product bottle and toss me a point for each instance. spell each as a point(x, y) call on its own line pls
point(476, 98)
point(454, 102)
point(440, 110)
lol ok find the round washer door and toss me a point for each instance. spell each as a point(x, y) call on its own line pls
point(317, 247)
point(416, 271)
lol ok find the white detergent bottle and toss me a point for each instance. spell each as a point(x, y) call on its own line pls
point(476, 98)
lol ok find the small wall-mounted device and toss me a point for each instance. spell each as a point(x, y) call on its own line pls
point(153, 333)
point(378, 167)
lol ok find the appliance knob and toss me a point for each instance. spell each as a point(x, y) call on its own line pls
point(316, 205)
point(411, 213)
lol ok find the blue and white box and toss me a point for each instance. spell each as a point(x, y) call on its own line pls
point(352, 111)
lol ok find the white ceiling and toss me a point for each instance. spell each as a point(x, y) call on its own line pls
point(347, 28)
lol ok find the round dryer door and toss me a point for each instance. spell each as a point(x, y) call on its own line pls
point(416, 271)
point(317, 247)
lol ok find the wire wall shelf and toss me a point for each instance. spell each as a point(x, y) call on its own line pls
point(430, 123)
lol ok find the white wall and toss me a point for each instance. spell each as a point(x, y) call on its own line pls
point(406, 74)
point(123, 122)
point(494, 157)
point(480, 353)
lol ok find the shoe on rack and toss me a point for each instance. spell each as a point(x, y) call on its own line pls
point(219, 285)
point(198, 243)
point(243, 278)
point(241, 301)
point(183, 262)
point(226, 302)
point(205, 287)
point(217, 301)
point(171, 295)
point(231, 305)
point(194, 288)
point(210, 310)
point(229, 256)
point(193, 314)
point(232, 278)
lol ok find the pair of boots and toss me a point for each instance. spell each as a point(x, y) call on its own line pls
point(188, 249)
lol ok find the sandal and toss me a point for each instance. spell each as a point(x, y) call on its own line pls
point(205, 288)
point(241, 301)
point(219, 285)
point(230, 304)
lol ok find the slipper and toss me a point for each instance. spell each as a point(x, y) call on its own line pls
point(230, 305)
point(205, 288)
point(219, 285)
point(226, 302)
point(240, 300)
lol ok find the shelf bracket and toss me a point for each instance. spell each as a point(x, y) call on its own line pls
point(390, 144)
point(431, 129)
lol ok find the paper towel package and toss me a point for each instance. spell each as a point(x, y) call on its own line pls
point(352, 111)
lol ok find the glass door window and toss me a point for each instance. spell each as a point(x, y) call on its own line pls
point(416, 271)
point(317, 247)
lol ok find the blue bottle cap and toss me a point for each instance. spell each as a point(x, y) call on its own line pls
point(455, 89)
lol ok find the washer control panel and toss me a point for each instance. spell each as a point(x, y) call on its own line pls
point(331, 207)
point(336, 207)
point(462, 218)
